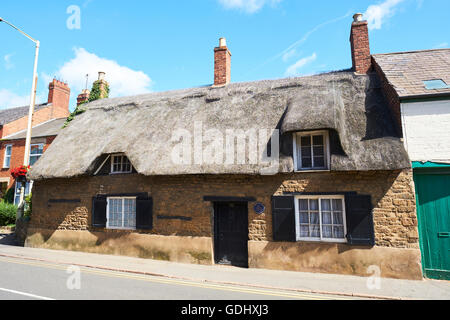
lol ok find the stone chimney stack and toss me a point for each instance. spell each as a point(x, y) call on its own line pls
point(103, 85)
point(222, 64)
point(83, 97)
point(59, 96)
point(359, 40)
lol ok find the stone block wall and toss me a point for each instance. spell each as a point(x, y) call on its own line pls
point(392, 196)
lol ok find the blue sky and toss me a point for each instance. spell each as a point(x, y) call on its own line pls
point(146, 46)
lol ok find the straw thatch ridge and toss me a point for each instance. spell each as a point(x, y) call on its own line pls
point(351, 106)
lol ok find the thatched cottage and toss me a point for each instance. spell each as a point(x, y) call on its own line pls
point(305, 174)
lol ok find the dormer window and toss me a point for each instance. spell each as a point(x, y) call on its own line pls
point(120, 164)
point(311, 151)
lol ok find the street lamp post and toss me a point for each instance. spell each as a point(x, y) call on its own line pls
point(26, 160)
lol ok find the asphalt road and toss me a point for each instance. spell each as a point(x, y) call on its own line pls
point(22, 279)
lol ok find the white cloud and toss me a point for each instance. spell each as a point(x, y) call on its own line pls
point(293, 70)
point(376, 14)
point(249, 6)
point(122, 80)
point(8, 64)
point(9, 99)
point(289, 54)
point(441, 45)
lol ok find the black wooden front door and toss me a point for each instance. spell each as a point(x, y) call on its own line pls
point(231, 233)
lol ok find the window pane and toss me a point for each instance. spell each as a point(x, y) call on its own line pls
point(326, 204)
point(303, 204)
point(338, 218)
point(327, 232)
point(115, 213)
point(314, 205)
point(319, 162)
point(318, 140)
point(319, 151)
point(314, 218)
point(337, 205)
point(129, 213)
point(304, 231)
point(315, 231)
point(304, 217)
point(37, 149)
point(306, 152)
point(306, 162)
point(326, 218)
point(8, 150)
point(306, 141)
point(34, 159)
point(338, 232)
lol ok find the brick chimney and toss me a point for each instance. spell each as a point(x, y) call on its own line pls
point(359, 39)
point(83, 97)
point(222, 64)
point(59, 96)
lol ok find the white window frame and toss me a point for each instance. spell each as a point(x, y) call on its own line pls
point(123, 213)
point(35, 155)
point(112, 164)
point(327, 158)
point(319, 198)
point(7, 156)
point(17, 191)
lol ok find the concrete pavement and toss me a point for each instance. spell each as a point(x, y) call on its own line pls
point(270, 279)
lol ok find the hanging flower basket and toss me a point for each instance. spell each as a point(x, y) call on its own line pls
point(20, 173)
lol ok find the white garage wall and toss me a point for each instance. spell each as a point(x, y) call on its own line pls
point(426, 130)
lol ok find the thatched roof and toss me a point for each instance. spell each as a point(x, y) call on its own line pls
point(142, 127)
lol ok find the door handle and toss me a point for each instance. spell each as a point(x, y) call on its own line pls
point(444, 234)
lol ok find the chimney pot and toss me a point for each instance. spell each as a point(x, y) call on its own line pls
point(357, 17)
point(222, 42)
point(101, 75)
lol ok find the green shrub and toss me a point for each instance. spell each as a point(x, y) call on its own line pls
point(28, 208)
point(8, 214)
point(9, 196)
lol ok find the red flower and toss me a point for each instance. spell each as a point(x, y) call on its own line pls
point(20, 172)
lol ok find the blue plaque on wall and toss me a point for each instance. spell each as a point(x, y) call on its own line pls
point(259, 208)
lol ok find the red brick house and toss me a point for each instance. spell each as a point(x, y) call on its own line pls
point(47, 120)
point(306, 174)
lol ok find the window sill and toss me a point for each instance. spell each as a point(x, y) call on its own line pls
point(312, 170)
point(121, 229)
point(119, 173)
point(330, 241)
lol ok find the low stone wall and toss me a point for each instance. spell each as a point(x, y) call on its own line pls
point(336, 258)
point(21, 230)
point(169, 248)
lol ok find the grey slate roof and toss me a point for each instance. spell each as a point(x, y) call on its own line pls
point(406, 71)
point(351, 106)
point(46, 129)
point(12, 114)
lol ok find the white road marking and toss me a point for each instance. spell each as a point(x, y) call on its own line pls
point(25, 294)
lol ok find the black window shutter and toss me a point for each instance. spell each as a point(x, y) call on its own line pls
point(360, 230)
point(99, 212)
point(144, 213)
point(283, 219)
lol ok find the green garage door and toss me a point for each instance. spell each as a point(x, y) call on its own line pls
point(433, 207)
